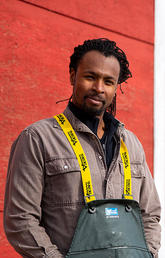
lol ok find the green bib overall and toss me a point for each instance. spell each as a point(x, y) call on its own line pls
point(109, 228)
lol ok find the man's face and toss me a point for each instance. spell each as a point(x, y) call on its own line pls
point(95, 82)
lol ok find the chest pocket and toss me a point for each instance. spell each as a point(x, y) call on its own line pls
point(63, 184)
point(137, 175)
point(59, 166)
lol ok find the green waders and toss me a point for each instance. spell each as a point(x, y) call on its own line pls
point(106, 228)
point(109, 229)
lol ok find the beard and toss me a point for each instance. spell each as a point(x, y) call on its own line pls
point(93, 110)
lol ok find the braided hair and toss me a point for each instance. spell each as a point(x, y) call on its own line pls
point(107, 48)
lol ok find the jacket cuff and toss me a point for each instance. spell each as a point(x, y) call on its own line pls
point(52, 253)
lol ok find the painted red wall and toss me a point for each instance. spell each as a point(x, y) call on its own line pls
point(35, 45)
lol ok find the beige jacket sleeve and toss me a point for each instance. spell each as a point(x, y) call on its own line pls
point(145, 193)
point(22, 209)
point(151, 211)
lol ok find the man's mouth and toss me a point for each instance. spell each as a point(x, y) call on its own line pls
point(94, 99)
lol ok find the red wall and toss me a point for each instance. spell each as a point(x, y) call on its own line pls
point(35, 45)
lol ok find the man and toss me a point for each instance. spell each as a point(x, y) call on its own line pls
point(44, 191)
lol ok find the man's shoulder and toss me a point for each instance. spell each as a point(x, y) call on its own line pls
point(128, 132)
point(39, 129)
point(130, 136)
point(40, 124)
point(133, 144)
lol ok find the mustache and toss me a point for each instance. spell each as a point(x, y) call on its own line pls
point(95, 96)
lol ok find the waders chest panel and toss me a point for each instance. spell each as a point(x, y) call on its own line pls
point(114, 229)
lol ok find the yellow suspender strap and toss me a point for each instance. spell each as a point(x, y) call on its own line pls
point(83, 163)
point(81, 157)
point(127, 171)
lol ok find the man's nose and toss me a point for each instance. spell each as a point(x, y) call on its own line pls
point(99, 86)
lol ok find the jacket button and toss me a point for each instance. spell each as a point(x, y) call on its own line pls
point(134, 172)
point(100, 157)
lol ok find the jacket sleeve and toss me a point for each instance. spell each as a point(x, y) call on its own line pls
point(150, 209)
point(23, 196)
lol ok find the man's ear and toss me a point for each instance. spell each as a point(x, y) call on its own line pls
point(72, 76)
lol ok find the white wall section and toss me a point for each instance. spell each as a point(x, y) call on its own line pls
point(159, 111)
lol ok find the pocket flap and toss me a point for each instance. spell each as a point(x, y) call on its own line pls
point(61, 165)
point(137, 170)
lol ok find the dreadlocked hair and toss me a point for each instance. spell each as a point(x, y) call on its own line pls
point(107, 48)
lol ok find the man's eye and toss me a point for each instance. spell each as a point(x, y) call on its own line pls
point(109, 83)
point(90, 77)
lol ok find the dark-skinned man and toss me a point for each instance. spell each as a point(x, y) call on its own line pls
point(78, 184)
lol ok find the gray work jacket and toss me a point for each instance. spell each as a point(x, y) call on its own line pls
point(44, 195)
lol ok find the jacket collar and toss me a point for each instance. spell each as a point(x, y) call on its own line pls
point(80, 126)
point(75, 122)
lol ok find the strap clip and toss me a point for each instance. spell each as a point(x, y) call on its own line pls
point(89, 198)
point(128, 196)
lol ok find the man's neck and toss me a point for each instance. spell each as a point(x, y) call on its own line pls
point(101, 127)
